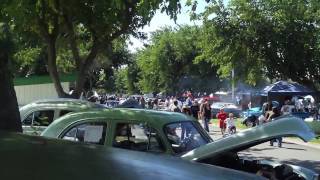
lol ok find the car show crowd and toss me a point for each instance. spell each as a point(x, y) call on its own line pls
point(204, 108)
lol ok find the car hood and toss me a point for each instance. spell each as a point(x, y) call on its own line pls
point(285, 126)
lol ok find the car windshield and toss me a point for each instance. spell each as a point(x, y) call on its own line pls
point(184, 136)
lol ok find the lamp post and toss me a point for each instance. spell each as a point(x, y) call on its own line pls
point(232, 83)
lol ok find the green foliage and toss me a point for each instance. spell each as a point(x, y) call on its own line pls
point(121, 80)
point(315, 126)
point(65, 61)
point(168, 64)
point(26, 57)
point(276, 39)
point(86, 28)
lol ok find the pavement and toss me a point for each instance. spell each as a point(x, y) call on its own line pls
point(216, 134)
point(293, 151)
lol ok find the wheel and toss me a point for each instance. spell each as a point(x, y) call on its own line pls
point(249, 124)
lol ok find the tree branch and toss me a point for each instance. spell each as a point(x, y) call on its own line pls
point(128, 14)
point(72, 40)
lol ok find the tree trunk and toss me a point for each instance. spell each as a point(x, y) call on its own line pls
point(83, 69)
point(9, 112)
point(80, 81)
point(52, 67)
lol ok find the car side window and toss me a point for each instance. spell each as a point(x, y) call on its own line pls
point(93, 133)
point(64, 112)
point(137, 137)
point(39, 118)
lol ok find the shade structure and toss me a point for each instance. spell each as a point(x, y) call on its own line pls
point(285, 88)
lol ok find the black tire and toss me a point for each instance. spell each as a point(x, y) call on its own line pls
point(249, 124)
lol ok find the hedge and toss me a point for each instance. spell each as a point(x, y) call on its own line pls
point(42, 79)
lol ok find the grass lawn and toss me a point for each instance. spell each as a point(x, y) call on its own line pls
point(313, 141)
point(239, 125)
point(316, 140)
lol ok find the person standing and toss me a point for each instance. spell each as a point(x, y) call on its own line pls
point(142, 102)
point(195, 109)
point(205, 112)
point(286, 109)
point(249, 105)
point(222, 116)
point(230, 124)
point(175, 107)
point(275, 113)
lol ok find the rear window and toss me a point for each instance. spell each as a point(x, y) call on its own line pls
point(64, 112)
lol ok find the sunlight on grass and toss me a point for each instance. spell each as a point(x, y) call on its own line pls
point(238, 121)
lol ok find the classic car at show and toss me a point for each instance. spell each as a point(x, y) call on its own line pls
point(33, 158)
point(36, 116)
point(227, 107)
point(181, 135)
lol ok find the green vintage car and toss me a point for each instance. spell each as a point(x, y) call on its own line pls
point(36, 116)
point(38, 158)
point(180, 135)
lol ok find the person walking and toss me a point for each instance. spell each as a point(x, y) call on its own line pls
point(273, 116)
point(195, 110)
point(222, 116)
point(205, 112)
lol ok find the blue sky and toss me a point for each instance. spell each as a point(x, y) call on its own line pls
point(162, 20)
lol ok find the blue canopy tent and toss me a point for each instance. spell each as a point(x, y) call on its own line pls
point(285, 88)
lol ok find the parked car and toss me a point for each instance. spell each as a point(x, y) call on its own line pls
point(172, 133)
point(228, 108)
point(111, 103)
point(33, 158)
point(36, 116)
point(211, 99)
point(251, 121)
point(257, 111)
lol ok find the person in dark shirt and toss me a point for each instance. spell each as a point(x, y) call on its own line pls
point(205, 111)
point(273, 116)
point(195, 110)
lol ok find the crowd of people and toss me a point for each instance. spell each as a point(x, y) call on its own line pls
point(199, 108)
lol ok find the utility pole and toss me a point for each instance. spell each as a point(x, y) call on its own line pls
point(232, 83)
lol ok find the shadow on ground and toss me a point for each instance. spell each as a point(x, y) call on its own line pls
point(313, 165)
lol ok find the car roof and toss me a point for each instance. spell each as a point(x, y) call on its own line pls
point(153, 117)
point(69, 101)
point(30, 157)
point(61, 103)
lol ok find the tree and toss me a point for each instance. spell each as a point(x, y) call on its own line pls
point(9, 112)
point(90, 24)
point(274, 39)
point(168, 63)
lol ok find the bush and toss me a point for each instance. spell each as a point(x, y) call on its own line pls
point(315, 126)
